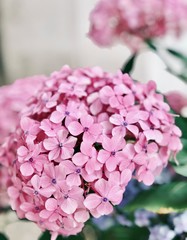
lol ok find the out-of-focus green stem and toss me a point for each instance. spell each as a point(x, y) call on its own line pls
point(128, 66)
point(152, 46)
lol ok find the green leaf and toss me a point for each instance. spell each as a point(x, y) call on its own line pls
point(128, 233)
point(183, 58)
point(182, 170)
point(3, 237)
point(47, 236)
point(77, 237)
point(171, 197)
point(181, 122)
point(151, 45)
point(178, 55)
point(5, 209)
point(128, 66)
point(182, 160)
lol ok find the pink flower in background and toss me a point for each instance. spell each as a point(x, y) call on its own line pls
point(80, 141)
point(177, 101)
point(133, 21)
point(13, 98)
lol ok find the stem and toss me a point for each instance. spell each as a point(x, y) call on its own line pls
point(168, 68)
point(5, 209)
point(128, 66)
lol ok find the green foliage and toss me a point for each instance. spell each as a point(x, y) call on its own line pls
point(117, 232)
point(181, 122)
point(47, 236)
point(178, 55)
point(125, 233)
point(183, 60)
point(151, 45)
point(3, 237)
point(128, 66)
point(171, 197)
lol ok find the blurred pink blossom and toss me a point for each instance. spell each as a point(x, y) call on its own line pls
point(133, 21)
point(177, 101)
point(13, 98)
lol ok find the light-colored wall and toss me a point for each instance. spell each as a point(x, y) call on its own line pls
point(40, 36)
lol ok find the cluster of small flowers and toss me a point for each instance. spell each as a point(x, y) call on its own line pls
point(133, 21)
point(81, 139)
point(180, 223)
point(159, 232)
point(13, 98)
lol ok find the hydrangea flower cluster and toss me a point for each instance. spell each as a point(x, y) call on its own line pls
point(160, 232)
point(81, 139)
point(133, 21)
point(13, 98)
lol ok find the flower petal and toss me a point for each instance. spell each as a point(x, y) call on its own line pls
point(69, 205)
point(26, 169)
point(75, 128)
point(92, 201)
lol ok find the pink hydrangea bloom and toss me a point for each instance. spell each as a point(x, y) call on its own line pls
point(13, 98)
point(91, 138)
point(133, 21)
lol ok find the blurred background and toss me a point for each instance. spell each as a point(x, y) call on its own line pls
point(38, 37)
